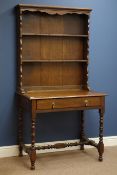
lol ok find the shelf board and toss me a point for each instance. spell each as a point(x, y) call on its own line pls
point(51, 61)
point(54, 35)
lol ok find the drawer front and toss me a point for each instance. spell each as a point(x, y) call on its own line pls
point(68, 103)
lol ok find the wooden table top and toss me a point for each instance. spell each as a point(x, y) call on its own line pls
point(65, 93)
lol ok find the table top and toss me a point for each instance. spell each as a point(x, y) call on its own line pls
point(63, 93)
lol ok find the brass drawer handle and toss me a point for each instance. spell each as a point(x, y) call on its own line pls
point(53, 105)
point(86, 102)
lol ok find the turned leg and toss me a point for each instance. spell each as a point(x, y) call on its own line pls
point(20, 131)
point(33, 150)
point(82, 135)
point(100, 144)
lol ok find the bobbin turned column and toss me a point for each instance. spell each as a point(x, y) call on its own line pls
point(32, 153)
point(20, 126)
point(101, 144)
point(82, 135)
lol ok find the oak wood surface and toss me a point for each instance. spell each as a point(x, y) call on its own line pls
point(69, 103)
point(34, 6)
point(65, 93)
point(48, 43)
point(53, 58)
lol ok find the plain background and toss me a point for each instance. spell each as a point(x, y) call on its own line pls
point(102, 74)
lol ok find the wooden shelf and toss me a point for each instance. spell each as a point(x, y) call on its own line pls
point(54, 35)
point(53, 50)
point(51, 61)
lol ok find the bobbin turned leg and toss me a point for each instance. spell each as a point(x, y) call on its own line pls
point(101, 144)
point(82, 135)
point(20, 129)
point(33, 149)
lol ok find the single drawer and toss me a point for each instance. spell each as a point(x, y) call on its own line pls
point(68, 103)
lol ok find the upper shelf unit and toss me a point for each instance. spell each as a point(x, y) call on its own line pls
point(53, 47)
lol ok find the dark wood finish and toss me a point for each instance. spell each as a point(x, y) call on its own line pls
point(69, 103)
point(53, 56)
point(82, 134)
point(20, 129)
point(32, 153)
point(101, 144)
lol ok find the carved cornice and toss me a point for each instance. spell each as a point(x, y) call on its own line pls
point(52, 10)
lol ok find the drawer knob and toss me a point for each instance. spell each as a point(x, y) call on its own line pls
point(53, 105)
point(86, 102)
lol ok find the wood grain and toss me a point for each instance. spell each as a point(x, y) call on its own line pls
point(69, 103)
point(53, 57)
